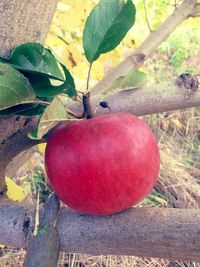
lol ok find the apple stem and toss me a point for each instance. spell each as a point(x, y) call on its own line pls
point(88, 112)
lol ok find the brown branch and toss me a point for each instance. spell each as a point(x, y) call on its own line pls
point(43, 250)
point(136, 59)
point(146, 100)
point(144, 232)
point(14, 140)
point(196, 12)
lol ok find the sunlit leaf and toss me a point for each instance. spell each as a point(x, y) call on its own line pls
point(53, 114)
point(134, 79)
point(14, 192)
point(42, 147)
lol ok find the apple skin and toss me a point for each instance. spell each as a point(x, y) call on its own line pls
point(102, 165)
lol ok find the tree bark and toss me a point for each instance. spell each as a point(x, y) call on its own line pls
point(145, 232)
point(21, 21)
point(144, 100)
point(24, 21)
point(13, 140)
point(136, 59)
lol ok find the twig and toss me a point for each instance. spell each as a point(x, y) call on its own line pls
point(37, 221)
point(146, 17)
point(175, 4)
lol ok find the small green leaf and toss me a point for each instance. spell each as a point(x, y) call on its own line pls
point(34, 58)
point(70, 88)
point(43, 229)
point(134, 79)
point(52, 115)
point(15, 89)
point(44, 88)
point(106, 27)
point(33, 135)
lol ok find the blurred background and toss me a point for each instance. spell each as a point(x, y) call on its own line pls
point(178, 132)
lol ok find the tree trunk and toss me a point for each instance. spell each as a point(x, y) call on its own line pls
point(145, 232)
point(24, 21)
point(21, 21)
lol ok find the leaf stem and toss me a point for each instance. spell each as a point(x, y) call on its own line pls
point(44, 103)
point(146, 17)
point(88, 77)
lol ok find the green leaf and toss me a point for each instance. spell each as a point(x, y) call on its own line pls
point(34, 58)
point(15, 89)
point(44, 88)
point(106, 26)
point(33, 135)
point(52, 115)
point(43, 229)
point(134, 79)
point(24, 110)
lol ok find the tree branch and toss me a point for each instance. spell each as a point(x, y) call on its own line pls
point(136, 59)
point(196, 12)
point(144, 232)
point(14, 130)
point(145, 100)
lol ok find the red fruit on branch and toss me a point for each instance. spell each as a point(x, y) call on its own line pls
point(102, 165)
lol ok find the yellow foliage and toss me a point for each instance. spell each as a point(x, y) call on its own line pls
point(97, 70)
point(71, 56)
point(76, 14)
point(112, 58)
point(42, 147)
point(14, 192)
point(2, 246)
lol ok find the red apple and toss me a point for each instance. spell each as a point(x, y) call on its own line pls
point(102, 165)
